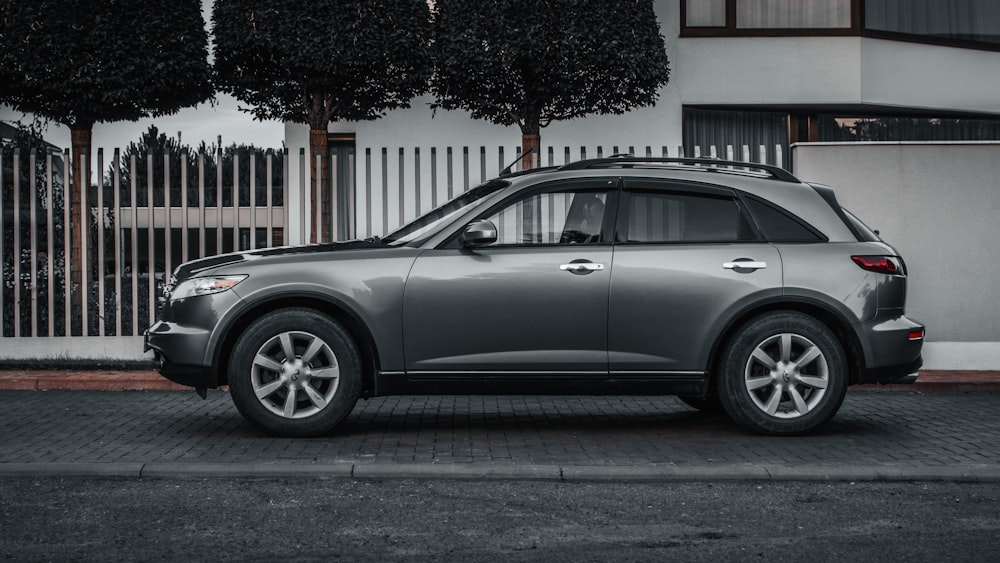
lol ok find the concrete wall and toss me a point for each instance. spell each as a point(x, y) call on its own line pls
point(937, 203)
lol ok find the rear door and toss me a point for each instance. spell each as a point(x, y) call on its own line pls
point(686, 259)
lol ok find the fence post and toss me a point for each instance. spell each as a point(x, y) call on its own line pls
point(33, 238)
point(16, 217)
point(100, 243)
point(134, 198)
point(50, 246)
point(117, 231)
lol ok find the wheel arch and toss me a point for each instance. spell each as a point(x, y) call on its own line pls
point(831, 318)
point(347, 318)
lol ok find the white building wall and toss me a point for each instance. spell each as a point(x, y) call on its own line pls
point(937, 204)
point(895, 73)
point(768, 70)
point(836, 71)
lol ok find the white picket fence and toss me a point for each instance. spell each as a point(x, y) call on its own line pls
point(394, 185)
point(133, 236)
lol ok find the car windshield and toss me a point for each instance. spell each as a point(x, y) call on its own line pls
point(423, 226)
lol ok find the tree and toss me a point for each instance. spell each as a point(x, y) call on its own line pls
point(82, 62)
point(316, 61)
point(532, 62)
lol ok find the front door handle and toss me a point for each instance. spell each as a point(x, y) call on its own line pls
point(581, 267)
point(744, 265)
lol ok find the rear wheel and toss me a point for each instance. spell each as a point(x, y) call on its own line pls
point(295, 372)
point(783, 374)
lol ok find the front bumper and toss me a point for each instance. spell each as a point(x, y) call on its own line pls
point(174, 347)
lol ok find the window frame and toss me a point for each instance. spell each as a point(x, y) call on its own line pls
point(669, 186)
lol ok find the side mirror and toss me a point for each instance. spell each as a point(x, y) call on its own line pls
point(479, 233)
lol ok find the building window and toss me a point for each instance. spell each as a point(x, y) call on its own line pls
point(770, 17)
point(746, 133)
point(899, 128)
point(962, 20)
point(971, 24)
point(793, 14)
point(705, 13)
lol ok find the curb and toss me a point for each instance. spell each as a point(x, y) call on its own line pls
point(569, 474)
point(931, 381)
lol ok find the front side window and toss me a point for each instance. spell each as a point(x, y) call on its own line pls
point(666, 217)
point(560, 217)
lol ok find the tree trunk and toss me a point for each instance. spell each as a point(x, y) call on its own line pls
point(318, 204)
point(531, 139)
point(531, 144)
point(81, 147)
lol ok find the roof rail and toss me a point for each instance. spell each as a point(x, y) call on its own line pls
point(710, 164)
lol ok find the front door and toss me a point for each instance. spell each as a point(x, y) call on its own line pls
point(536, 301)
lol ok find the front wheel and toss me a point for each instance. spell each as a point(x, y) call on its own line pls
point(295, 372)
point(783, 374)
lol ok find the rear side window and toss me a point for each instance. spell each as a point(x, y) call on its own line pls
point(779, 226)
point(683, 217)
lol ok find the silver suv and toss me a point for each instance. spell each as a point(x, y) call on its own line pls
point(736, 287)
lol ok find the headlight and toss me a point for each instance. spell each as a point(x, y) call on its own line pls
point(204, 286)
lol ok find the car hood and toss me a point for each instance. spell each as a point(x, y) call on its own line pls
point(194, 267)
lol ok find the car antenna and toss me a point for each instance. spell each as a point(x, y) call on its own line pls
point(509, 170)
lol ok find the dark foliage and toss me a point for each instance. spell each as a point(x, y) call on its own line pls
point(80, 62)
point(531, 62)
point(311, 61)
point(151, 148)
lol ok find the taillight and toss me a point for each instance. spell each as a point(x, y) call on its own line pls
point(890, 265)
point(916, 334)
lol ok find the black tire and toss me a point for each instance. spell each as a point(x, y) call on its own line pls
point(305, 395)
point(783, 374)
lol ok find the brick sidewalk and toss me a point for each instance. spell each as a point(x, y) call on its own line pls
point(142, 380)
point(872, 431)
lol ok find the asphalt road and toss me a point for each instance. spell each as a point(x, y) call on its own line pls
point(406, 520)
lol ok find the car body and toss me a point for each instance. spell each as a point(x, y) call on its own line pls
point(735, 286)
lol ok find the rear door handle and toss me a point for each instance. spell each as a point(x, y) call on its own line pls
point(744, 265)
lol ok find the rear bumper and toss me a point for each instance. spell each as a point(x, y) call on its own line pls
point(900, 373)
point(894, 349)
